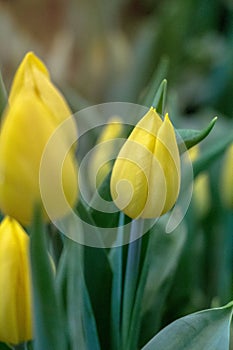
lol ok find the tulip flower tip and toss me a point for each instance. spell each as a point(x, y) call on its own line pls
point(153, 109)
point(166, 118)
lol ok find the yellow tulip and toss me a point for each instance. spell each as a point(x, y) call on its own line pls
point(100, 162)
point(145, 179)
point(15, 284)
point(35, 111)
point(227, 179)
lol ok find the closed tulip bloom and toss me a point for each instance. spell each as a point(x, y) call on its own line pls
point(227, 179)
point(15, 284)
point(145, 179)
point(35, 111)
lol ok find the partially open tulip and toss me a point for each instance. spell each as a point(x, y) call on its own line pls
point(227, 179)
point(36, 109)
point(145, 179)
point(15, 284)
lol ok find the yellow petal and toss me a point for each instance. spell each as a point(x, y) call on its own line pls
point(32, 76)
point(24, 76)
point(129, 180)
point(167, 154)
point(15, 284)
point(25, 132)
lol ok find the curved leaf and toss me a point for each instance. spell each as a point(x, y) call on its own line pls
point(192, 137)
point(208, 329)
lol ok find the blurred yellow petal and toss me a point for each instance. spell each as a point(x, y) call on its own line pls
point(226, 187)
point(101, 157)
point(201, 188)
point(201, 194)
point(194, 152)
point(15, 284)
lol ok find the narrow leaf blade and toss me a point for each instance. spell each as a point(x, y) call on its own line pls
point(48, 321)
point(191, 137)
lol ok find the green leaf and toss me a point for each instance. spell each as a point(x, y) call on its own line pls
point(81, 320)
point(161, 258)
point(191, 137)
point(98, 277)
point(212, 154)
point(131, 278)
point(208, 329)
point(160, 97)
point(3, 95)
point(48, 318)
point(116, 261)
point(155, 84)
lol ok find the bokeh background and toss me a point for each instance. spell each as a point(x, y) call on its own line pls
point(108, 50)
point(101, 51)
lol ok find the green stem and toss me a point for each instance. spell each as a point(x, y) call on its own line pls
point(131, 278)
point(116, 257)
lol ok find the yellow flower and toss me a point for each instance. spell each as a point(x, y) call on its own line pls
point(35, 111)
point(227, 179)
point(145, 179)
point(15, 284)
point(100, 162)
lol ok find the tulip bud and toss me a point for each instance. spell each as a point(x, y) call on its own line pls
point(145, 179)
point(100, 162)
point(227, 179)
point(15, 284)
point(35, 111)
